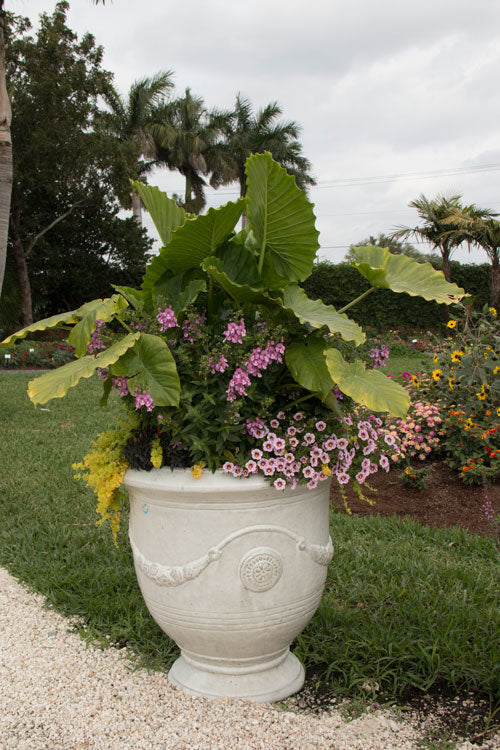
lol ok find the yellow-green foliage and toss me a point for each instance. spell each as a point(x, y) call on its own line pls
point(103, 470)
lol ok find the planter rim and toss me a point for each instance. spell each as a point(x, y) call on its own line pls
point(182, 479)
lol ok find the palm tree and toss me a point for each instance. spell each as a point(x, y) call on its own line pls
point(483, 230)
point(443, 237)
point(129, 120)
point(186, 137)
point(247, 133)
point(5, 152)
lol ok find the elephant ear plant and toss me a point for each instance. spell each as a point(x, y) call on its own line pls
point(220, 358)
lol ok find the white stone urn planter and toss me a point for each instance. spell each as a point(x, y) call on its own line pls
point(232, 570)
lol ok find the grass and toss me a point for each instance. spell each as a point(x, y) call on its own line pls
point(405, 605)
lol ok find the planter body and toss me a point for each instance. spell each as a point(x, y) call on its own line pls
point(232, 570)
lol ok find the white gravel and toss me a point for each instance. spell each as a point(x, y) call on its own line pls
point(57, 692)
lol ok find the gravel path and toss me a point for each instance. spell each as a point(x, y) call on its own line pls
point(56, 692)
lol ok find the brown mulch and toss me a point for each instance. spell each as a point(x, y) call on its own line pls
point(446, 501)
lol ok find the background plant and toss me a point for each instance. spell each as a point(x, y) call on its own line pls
point(466, 381)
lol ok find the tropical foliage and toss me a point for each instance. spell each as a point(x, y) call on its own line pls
point(220, 339)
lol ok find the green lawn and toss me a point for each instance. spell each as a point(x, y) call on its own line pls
point(403, 605)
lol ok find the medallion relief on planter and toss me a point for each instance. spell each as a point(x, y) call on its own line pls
point(261, 569)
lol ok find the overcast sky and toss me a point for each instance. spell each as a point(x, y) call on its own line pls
point(395, 97)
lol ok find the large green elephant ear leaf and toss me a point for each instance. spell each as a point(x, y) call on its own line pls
point(240, 292)
point(150, 367)
point(57, 383)
point(54, 321)
point(316, 314)
point(178, 291)
point(367, 387)
point(167, 216)
point(385, 270)
point(307, 364)
point(281, 218)
point(133, 296)
point(192, 243)
point(98, 309)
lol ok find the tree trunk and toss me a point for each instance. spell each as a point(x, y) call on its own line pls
point(137, 207)
point(21, 268)
point(446, 264)
point(243, 192)
point(187, 193)
point(495, 280)
point(5, 157)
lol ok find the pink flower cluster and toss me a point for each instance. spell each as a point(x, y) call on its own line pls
point(191, 329)
point(121, 384)
point(259, 360)
point(96, 343)
point(235, 332)
point(166, 318)
point(296, 451)
point(218, 365)
point(379, 356)
point(419, 432)
point(143, 398)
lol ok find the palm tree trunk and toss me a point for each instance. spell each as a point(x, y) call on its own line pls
point(5, 155)
point(243, 192)
point(21, 267)
point(446, 264)
point(495, 280)
point(187, 192)
point(137, 207)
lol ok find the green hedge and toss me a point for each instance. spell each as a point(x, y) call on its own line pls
point(337, 284)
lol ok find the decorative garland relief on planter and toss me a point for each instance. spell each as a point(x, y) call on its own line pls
point(260, 568)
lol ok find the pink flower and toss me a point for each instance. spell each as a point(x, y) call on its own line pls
point(166, 318)
point(320, 426)
point(217, 366)
point(228, 467)
point(235, 332)
point(143, 399)
point(279, 483)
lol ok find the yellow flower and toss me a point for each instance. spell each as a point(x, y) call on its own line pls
point(455, 356)
point(482, 393)
point(451, 323)
point(197, 469)
point(450, 382)
point(325, 469)
point(435, 358)
point(493, 311)
point(498, 412)
point(415, 381)
point(497, 369)
point(156, 453)
point(437, 374)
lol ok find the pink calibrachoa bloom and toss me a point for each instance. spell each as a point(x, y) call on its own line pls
point(320, 426)
point(166, 318)
point(143, 399)
point(228, 467)
point(279, 483)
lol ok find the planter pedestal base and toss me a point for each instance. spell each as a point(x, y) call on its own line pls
point(271, 680)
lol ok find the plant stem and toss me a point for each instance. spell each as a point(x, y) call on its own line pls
point(358, 299)
point(299, 400)
point(125, 325)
